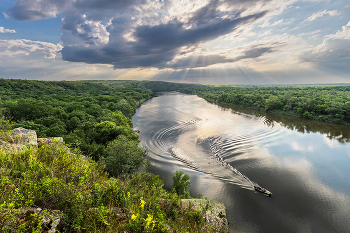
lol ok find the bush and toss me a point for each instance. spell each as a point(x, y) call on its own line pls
point(5, 126)
point(50, 177)
point(181, 183)
point(123, 156)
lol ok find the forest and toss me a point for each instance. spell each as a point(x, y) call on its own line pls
point(329, 103)
point(88, 115)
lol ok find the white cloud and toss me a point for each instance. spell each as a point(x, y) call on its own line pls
point(333, 53)
point(4, 30)
point(322, 13)
point(23, 47)
point(268, 24)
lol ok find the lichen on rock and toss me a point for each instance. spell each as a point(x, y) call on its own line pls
point(215, 212)
point(22, 136)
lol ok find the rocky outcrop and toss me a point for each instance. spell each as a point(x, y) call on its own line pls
point(215, 212)
point(22, 138)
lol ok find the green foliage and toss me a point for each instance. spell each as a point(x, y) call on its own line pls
point(87, 115)
point(181, 183)
point(51, 177)
point(5, 126)
point(123, 156)
point(324, 103)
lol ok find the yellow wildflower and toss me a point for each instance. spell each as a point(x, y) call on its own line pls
point(149, 220)
point(142, 203)
point(133, 217)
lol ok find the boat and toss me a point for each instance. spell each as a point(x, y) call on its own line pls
point(262, 190)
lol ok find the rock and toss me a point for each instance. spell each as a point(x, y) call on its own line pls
point(215, 212)
point(49, 140)
point(22, 136)
point(50, 218)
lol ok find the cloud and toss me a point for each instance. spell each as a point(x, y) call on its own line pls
point(37, 9)
point(106, 4)
point(321, 14)
point(78, 30)
point(4, 30)
point(153, 46)
point(249, 52)
point(150, 33)
point(333, 54)
point(25, 10)
point(12, 48)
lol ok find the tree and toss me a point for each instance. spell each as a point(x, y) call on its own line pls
point(181, 183)
point(123, 156)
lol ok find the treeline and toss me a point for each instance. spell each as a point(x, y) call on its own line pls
point(324, 103)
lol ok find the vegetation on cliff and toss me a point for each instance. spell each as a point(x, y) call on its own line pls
point(53, 178)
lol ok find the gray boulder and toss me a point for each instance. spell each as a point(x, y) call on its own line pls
point(22, 136)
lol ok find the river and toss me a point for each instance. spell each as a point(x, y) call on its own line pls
point(304, 163)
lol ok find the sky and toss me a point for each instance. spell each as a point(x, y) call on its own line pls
point(196, 41)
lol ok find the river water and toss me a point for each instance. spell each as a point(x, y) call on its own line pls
point(305, 164)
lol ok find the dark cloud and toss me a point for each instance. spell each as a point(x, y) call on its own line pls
point(154, 45)
point(25, 10)
point(106, 4)
point(36, 9)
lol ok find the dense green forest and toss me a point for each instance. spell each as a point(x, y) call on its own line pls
point(88, 115)
point(318, 102)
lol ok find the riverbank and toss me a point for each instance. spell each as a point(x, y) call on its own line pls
point(322, 103)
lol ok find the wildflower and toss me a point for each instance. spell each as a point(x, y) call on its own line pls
point(128, 195)
point(149, 220)
point(142, 203)
point(133, 217)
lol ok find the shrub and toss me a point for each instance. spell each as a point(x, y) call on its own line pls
point(181, 183)
point(5, 126)
point(123, 156)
